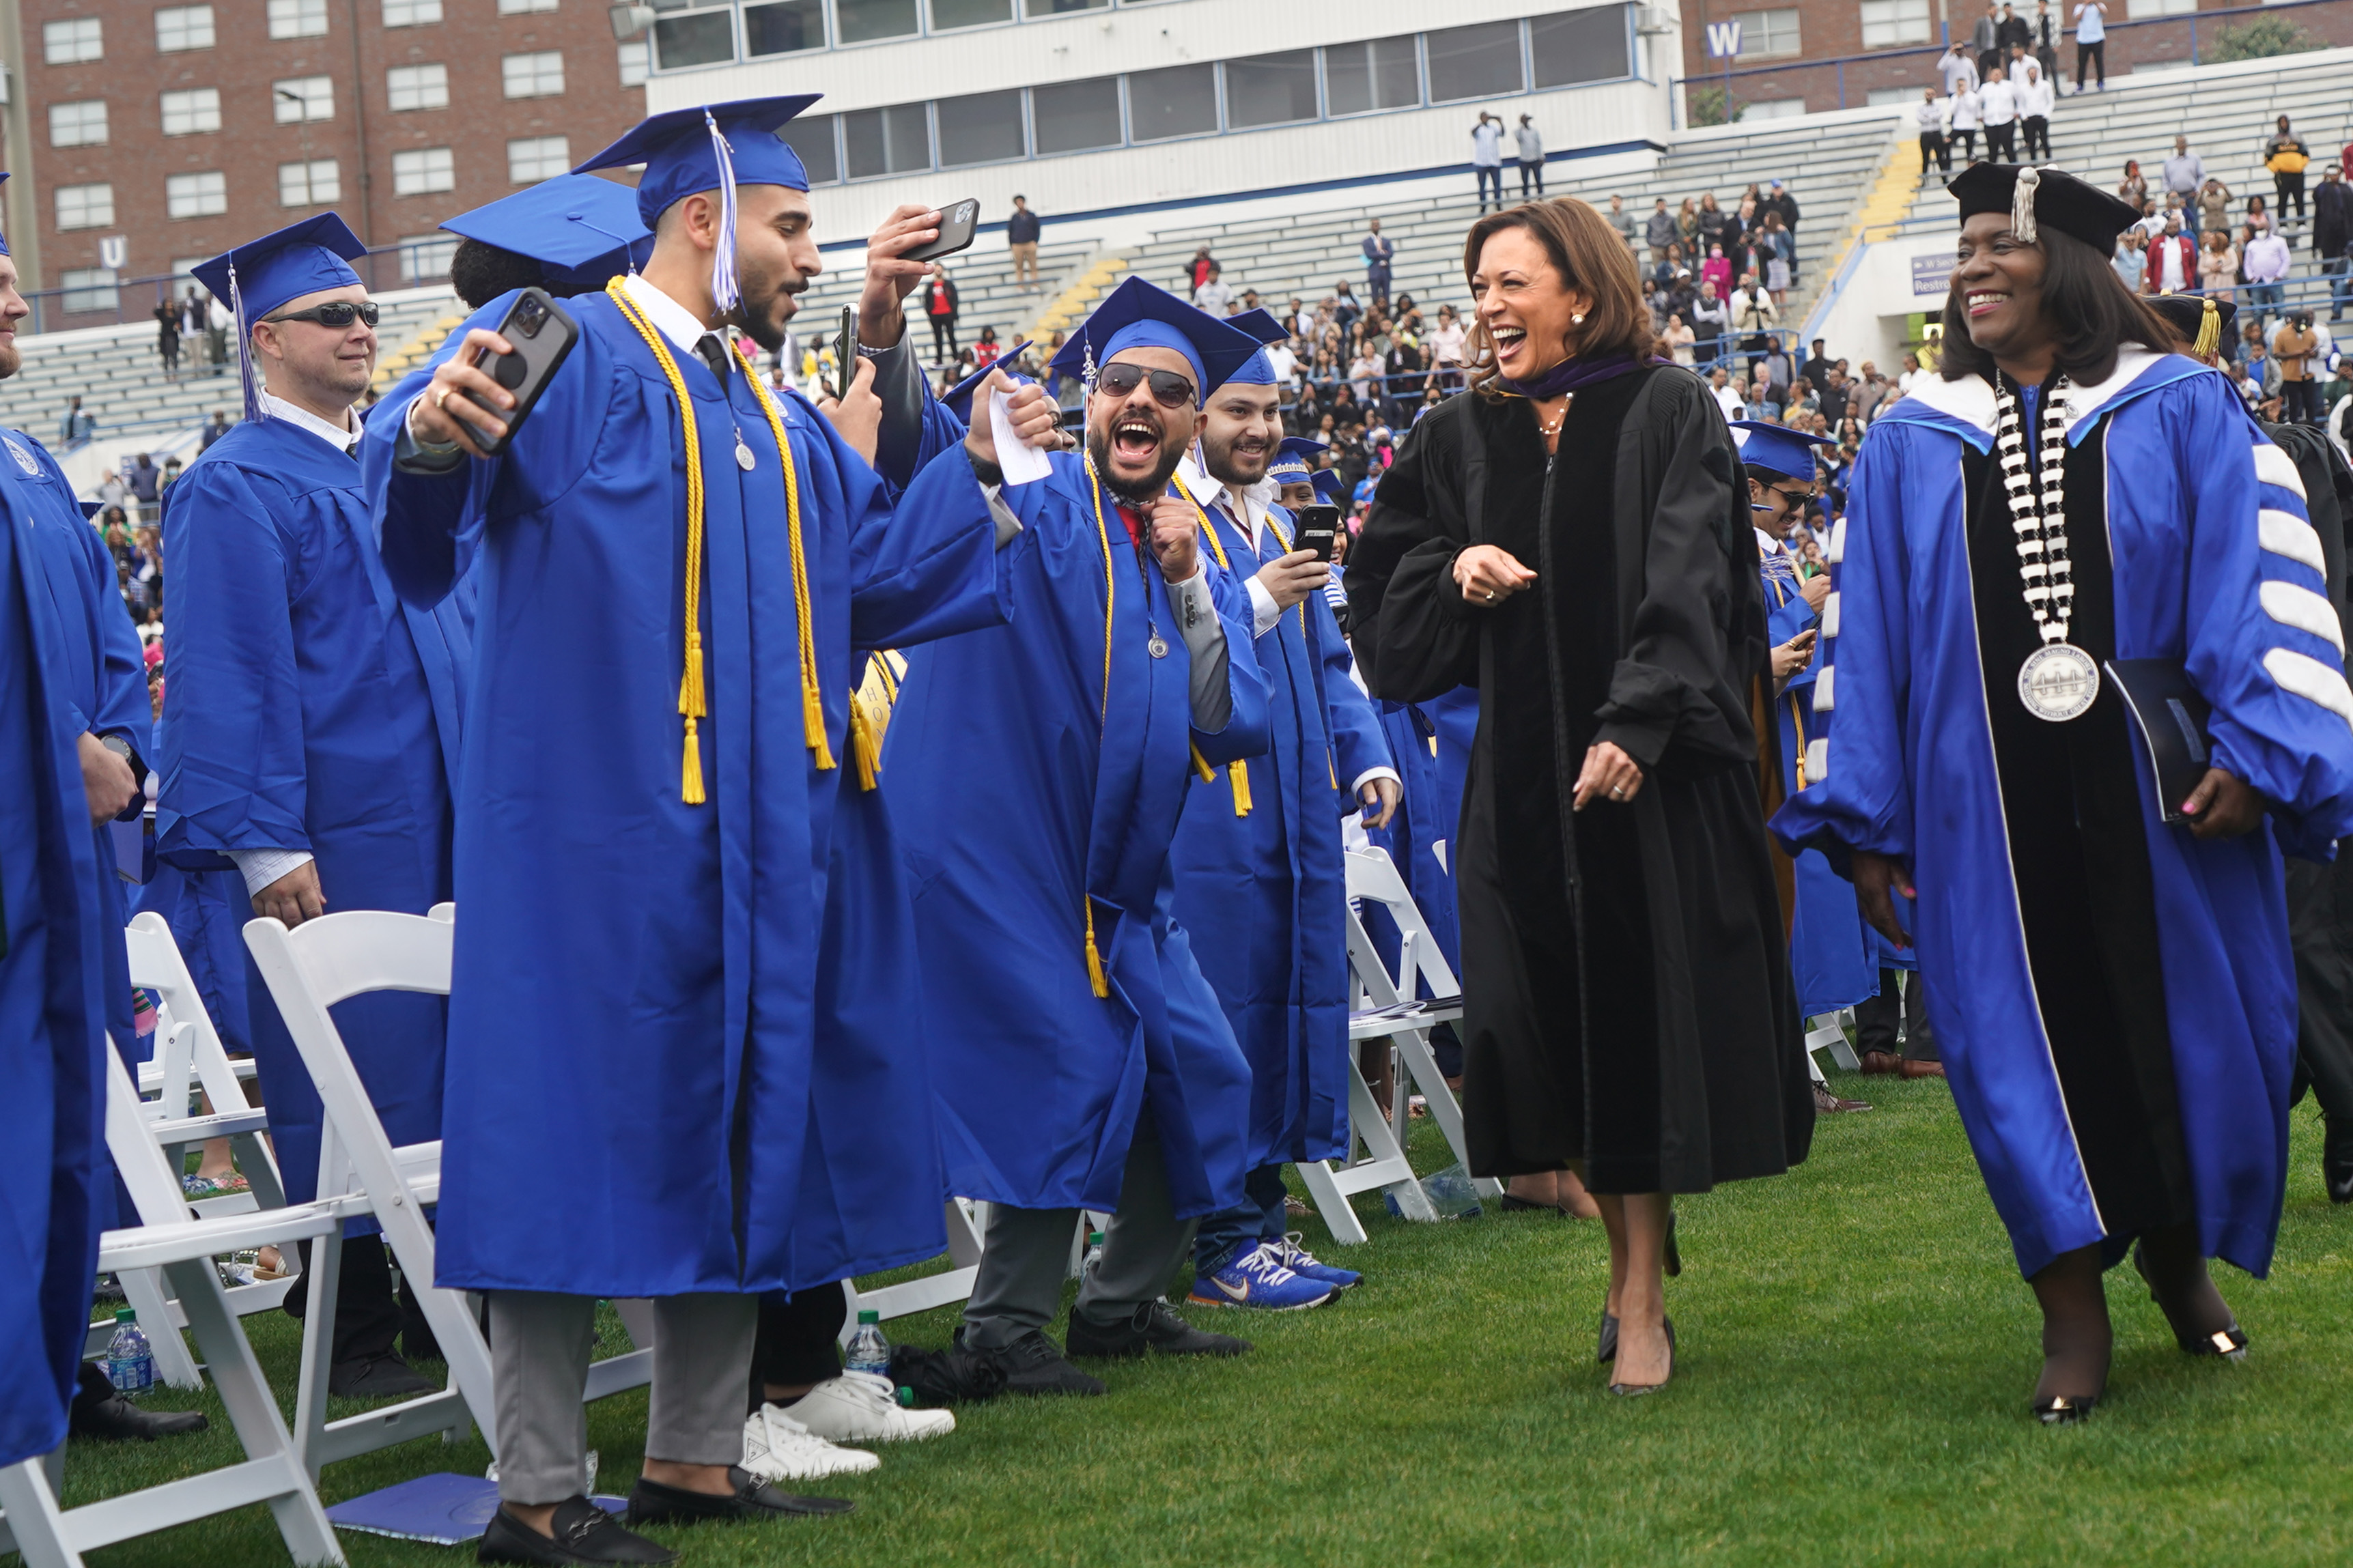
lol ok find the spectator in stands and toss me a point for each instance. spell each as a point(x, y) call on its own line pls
point(1763, 400)
point(2045, 29)
point(1871, 390)
point(1532, 156)
point(1021, 232)
point(1678, 339)
point(2293, 345)
point(2000, 100)
point(1487, 157)
point(214, 431)
point(2286, 156)
point(77, 426)
point(2091, 45)
point(2258, 214)
point(1928, 118)
point(1622, 221)
point(193, 324)
point(2332, 236)
point(1780, 249)
point(2036, 99)
point(2213, 205)
point(143, 479)
point(1198, 271)
point(2133, 188)
point(1985, 40)
point(2263, 261)
point(1447, 343)
point(1658, 229)
point(1344, 308)
point(1817, 366)
point(2218, 265)
point(2185, 176)
point(2172, 264)
point(1835, 397)
point(1754, 317)
point(167, 336)
point(1958, 69)
point(1716, 270)
point(940, 311)
point(2130, 263)
point(1780, 200)
point(2016, 38)
point(1727, 397)
point(1379, 250)
point(1967, 119)
point(1709, 321)
point(985, 351)
point(1908, 374)
point(2250, 393)
point(1408, 315)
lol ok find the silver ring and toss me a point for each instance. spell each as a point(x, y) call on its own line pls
point(1491, 595)
point(1618, 793)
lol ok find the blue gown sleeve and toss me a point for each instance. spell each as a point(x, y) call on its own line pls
point(2265, 645)
point(233, 774)
point(1357, 741)
point(1857, 795)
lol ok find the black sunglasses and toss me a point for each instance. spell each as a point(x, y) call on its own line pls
point(335, 314)
point(1169, 389)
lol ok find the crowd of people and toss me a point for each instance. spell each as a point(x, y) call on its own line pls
point(704, 699)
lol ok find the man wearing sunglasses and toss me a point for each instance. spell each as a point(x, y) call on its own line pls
point(1036, 772)
point(312, 734)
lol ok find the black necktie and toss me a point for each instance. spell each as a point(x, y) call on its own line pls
point(714, 355)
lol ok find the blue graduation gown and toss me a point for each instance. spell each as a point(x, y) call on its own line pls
point(100, 667)
point(307, 709)
point(634, 1104)
point(1430, 743)
point(52, 1080)
point(1263, 895)
point(1023, 790)
point(2207, 532)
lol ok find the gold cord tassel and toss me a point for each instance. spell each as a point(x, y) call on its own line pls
point(1238, 776)
point(2209, 332)
point(812, 705)
point(690, 778)
point(813, 726)
point(691, 707)
point(1201, 767)
point(865, 745)
point(1095, 976)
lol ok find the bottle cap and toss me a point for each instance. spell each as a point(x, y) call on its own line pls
point(869, 1315)
point(1095, 1239)
point(125, 1315)
point(906, 1397)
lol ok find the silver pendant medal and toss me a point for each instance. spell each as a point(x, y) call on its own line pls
point(1157, 647)
point(2058, 681)
point(743, 459)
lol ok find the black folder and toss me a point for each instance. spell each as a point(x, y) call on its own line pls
point(2168, 718)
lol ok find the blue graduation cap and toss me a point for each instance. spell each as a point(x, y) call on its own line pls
point(261, 275)
point(1139, 314)
point(89, 509)
point(1295, 460)
point(1258, 370)
point(957, 399)
point(3, 240)
point(1332, 487)
point(578, 227)
point(1778, 449)
point(711, 147)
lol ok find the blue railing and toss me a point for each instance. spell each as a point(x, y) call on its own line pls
point(384, 269)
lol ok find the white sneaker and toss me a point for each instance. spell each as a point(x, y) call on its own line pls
point(860, 1407)
point(777, 1447)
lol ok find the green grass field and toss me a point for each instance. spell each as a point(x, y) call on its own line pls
point(1856, 1357)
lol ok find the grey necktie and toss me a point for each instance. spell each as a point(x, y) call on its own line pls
point(714, 355)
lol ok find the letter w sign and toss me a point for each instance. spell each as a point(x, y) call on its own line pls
point(1723, 40)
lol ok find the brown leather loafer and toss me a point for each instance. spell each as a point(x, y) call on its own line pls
point(1879, 1064)
point(1923, 1069)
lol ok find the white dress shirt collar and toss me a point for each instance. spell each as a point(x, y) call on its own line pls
point(673, 319)
point(342, 439)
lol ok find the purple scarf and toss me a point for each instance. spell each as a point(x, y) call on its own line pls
point(1570, 375)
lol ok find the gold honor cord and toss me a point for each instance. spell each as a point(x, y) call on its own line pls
point(1095, 976)
point(1235, 773)
point(1781, 602)
point(812, 705)
point(870, 706)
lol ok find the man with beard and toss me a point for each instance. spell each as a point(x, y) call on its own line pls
point(1081, 1060)
point(1260, 885)
point(671, 1069)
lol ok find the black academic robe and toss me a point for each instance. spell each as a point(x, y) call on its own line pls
point(1627, 994)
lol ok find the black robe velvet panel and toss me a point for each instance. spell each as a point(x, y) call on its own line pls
point(1627, 993)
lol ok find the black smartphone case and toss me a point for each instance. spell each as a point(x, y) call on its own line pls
point(959, 222)
point(526, 372)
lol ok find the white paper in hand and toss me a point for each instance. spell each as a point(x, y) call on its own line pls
point(1020, 461)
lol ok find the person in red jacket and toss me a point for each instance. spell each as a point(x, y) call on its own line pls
point(2172, 265)
point(940, 310)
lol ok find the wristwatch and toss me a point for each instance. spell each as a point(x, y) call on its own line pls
point(138, 764)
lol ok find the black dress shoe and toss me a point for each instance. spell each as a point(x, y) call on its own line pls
point(584, 1533)
point(115, 1419)
point(1606, 1350)
point(1031, 1364)
point(2064, 1409)
point(1153, 1327)
point(2337, 1164)
point(651, 1502)
point(384, 1376)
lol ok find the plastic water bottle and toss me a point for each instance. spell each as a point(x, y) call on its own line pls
point(1451, 1193)
point(869, 1350)
point(1094, 1252)
point(130, 1361)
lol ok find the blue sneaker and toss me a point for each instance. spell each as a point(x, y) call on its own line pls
point(1258, 1279)
point(1300, 1261)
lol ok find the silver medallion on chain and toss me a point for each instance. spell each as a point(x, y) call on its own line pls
point(2059, 681)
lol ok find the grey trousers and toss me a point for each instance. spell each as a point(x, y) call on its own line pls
point(540, 1349)
point(1028, 1252)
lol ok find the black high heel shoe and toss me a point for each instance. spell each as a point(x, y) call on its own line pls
point(1636, 1390)
point(2065, 1409)
point(1606, 1348)
point(2228, 1343)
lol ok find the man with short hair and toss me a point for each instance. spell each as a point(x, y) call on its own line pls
point(2332, 236)
point(1532, 157)
point(1958, 69)
point(1997, 103)
point(1816, 367)
point(1213, 295)
point(214, 431)
point(1719, 385)
point(1985, 38)
point(1659, 230)
point(1021, 232)
point(1379, 249)
point(1928, 118)
point(2171, 265)
point(1621, 220)
point(2091, 44)
point(1487, 158)
point(2036, 99)
point(2185, 174)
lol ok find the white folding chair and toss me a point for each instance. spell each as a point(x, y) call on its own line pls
point(1377, 998)
point(967, 1223)
point(309, 970)
point(1827, 1032)
point(181, 1250)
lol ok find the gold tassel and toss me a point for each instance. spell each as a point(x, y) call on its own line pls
point(1238, 776)
point(1095, 976)
point(865, 745)
point(813, 727)
point(1201, 767)
point(689, 684)
point(690, 784)
point(2209, 332)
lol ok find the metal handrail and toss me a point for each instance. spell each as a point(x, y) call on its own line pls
point(50, 302)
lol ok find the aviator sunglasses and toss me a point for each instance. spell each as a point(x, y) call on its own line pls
point(335, 314)
point(1169, 389)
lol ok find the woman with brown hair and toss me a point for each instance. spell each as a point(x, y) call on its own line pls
point(1572, 538)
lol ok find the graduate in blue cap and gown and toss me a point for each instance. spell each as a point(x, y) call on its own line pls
point(567, 235)
point(311, 729)
point(1038, 773)
point(1261, 887)
point(2109, 968)
point(682, 1065)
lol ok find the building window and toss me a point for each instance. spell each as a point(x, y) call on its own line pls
point(71, 42)
point(946, 14)
point(517, 8)
point(539, 75)
point(1581, 45)
point(86, 206)
point(192, 114)
point(862, 21)
point(315, 183)
point(91, 288)
point(297, 18)
point(788, 28)
point(195, 196)
point(302, 98)
point(1271, 89)
point(812, 139)
point(179, 28)
point(1765, 35)
point(1381, 73)
point(80, 124)
point(411, 13)
point(633, 59)
point(891, 140)
point(1478, 62)
point(1886, 22)
point(422, 170)
point(1179, 101)
point(2137, 9)
point(531, 159)
point(1036, 8)
point(1771, 108)
point(418, 86)
point(981, 128)
point(425, 257)
point(1074, 116)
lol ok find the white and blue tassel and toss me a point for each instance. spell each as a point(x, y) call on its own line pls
point(725, 292)
point(255, 409)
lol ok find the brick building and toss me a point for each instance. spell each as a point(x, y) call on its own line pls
point(143, 138)
point(1802, 58)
